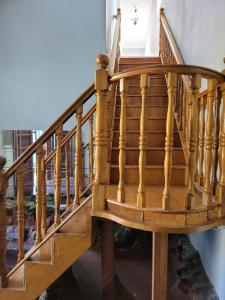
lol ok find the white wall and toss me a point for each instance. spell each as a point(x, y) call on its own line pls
point(198, 27)
point(47, 57)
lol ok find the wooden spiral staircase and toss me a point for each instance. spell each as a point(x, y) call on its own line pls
point(153, 157)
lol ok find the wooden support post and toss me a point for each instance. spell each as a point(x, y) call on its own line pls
point(57, 174)
point(142, 143)
point(3, 239)
point(101, 139)
point(39, 193)
point(172, 83)
point(208, 142)
point(91, 150)
point(67, 165)
point(201, 141)
point(220, 189)
point(107, 254)
point(78, 158)
point(216, 132)
point(20, 211)
point(122, 141)
point(159, 265)
point(43, 198)
point(195, 84)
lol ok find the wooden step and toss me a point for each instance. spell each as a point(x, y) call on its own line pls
point(160, 79)
point(152, 89)
point(139, 59)
point(150, 100)
point(153, 175)
point(129, 66)
point(154, 156)
point(133, 124)
point(153, 139)
point(157, 111)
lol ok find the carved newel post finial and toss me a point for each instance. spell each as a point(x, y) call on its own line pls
point(102, 61)
point(162, 10)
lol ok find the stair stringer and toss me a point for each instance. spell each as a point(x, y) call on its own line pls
point(51, 260)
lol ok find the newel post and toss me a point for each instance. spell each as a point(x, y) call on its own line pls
point(3, 242)
point(101, 140)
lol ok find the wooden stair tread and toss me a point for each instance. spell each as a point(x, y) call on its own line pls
point(146, 132)
point(149, 166)
point(147, 148)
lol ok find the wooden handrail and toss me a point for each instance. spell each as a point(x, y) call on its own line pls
point(171, 39)
point(45, 136)
point(71, 133)
point(116, 41)
point(165, 69)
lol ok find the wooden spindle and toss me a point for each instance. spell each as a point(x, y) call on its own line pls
point(43, 197)
point(67, 165)
point(78, 157)
point(101, 138)
point(172, 83)
point(40, 153)
point(142, 142)
point(208, 142)
point(91, 150)
point(57, 174)
point(20, 211)
point(195, 85)
point(122, 141)
point(220, 189)
point(215, 147)
point(82, 170)
point(201, 140)
point(3, 240)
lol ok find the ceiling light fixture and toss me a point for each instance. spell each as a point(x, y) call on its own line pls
point(135, 18)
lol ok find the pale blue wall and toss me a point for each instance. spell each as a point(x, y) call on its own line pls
point(47, 57)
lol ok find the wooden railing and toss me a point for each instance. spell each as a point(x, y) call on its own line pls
point(209, 141)
point(172, 73)
point(68, 151)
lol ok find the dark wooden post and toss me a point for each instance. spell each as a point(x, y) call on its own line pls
point(159, 265)
point(107, 252)
point(3, 243)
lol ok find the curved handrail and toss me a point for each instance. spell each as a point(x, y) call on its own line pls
point(45, 136)
point(164, 69)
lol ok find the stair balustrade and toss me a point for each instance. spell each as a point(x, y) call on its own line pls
point(172, 72)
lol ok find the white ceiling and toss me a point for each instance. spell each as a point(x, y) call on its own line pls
point(134, 36)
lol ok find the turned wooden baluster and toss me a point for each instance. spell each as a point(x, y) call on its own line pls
point(67, 165)
point(91, 150)
point(40, 153)
point(220, 189)
point(172, 82)
point(201, 140)
point(43, 198)
point(195, 84)
point(122, 141)
point(3, 240)
point(142, 143)
point(215, 147)
point(78, 158)
point(208, 141)
point(57, 174)
point(101, 138)
point(20, 211)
